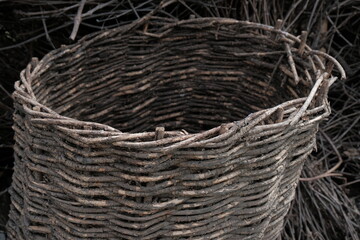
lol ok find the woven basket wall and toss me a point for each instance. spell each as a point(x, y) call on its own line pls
point(193, 129)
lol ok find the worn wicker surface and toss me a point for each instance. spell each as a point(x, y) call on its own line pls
point(240, 103)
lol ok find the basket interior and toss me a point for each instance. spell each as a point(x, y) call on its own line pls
point(192, 80)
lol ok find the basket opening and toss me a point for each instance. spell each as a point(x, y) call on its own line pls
point(195, 83)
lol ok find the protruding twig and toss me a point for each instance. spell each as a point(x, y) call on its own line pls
point(303, 38)
point(159, 133)
point(223, 129)
point(292, 63)
point(77, 20)
point(322, 93)
point(330, 58)
point(4, 191)
point(308, 99)
point(47, 33)
point(278, 26)
point(134, 10)
point(279, 115)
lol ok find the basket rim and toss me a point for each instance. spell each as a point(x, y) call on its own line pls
point(35, 68)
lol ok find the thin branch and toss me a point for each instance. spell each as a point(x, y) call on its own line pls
point(77, 20)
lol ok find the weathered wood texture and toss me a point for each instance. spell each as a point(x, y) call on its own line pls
point(195, 129)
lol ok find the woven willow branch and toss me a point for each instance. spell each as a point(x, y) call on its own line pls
point(194, 129)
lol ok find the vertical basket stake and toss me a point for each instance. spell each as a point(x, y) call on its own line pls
point(324, 88)
point(322, 93)
point(37, 174)
point(159, 134)
point(279, 114)
point(303, 38)
point(277, 27)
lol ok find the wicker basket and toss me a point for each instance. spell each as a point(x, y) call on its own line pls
point(165, 129)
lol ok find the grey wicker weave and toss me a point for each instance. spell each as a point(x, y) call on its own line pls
point(164, 129)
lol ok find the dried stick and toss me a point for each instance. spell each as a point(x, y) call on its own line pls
point(77, 20)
